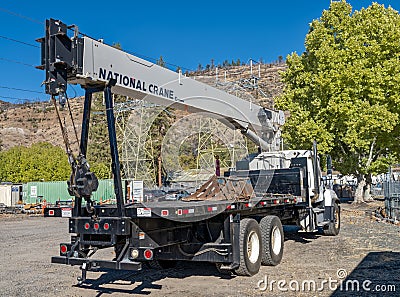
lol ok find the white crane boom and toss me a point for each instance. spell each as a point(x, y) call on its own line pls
point(91, 63)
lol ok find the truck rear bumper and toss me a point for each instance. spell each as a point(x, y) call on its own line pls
point(93, 264)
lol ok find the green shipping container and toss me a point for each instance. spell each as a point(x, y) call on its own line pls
point(34, 192)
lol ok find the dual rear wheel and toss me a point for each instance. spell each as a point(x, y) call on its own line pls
point(260, 243)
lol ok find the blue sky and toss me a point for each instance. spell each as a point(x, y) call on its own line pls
point(185, 33)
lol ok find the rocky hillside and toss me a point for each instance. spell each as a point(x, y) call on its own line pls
point(24, 124)
point(259, 83)
point(28, 123)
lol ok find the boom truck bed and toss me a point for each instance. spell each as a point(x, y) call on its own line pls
point(234, 221)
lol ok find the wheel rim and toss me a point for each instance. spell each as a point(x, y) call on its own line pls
point(276, 240)
point(337, 219)
point(253, 247)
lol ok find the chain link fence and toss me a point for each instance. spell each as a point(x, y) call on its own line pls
point(391, 190)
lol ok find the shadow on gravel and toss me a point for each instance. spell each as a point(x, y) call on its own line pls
point(378, 274)
point(291, 233)
point(142, 282)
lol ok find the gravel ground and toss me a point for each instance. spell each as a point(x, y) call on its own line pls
point(366, 251)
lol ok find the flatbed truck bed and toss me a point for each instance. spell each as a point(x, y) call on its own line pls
point(199, 210)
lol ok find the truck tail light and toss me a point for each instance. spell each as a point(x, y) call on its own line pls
point(96, 226)
point(63, 249)
point(106, 226)
point(148, 254)
point(87, 226)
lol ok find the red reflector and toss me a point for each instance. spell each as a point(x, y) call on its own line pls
point(51, 212)
point(96, 226)
point(63, 249)
point(276, 201)
point(106, 226)
point(164, 212)
point(185, 211)
point(87, 226)
point(148, 254)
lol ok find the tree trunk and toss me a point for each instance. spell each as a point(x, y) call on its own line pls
point(367, 188)
point(359, 195)
point(363, 191)
point(367, 192)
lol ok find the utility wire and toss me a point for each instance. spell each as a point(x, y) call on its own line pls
point(42, 23)
point(20, 16)
point(21, 99)
point(19, 41)
point(150, 58)
point(17, 62)
point(23, 90)
point(154, 60)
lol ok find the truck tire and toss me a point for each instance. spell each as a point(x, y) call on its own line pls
point(161, 264)
point(333, 228)
point(272, 240)
point(250, 248)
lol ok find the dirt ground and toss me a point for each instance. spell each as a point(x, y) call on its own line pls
point(365, 255)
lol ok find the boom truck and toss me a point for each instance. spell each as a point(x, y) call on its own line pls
point(234, 221)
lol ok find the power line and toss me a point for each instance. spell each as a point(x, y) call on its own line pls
point(21, 99)
point(17, 62)
point(153, 59)
point(19, 41)
point(23, 90)
point(21, 16)
point(41, 23)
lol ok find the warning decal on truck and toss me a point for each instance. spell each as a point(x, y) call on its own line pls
point(66, 212)
point(143, 212)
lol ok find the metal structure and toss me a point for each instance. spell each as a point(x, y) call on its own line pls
point(391, 189)
point(209, 138)
point(133, 123)
point(208, 133)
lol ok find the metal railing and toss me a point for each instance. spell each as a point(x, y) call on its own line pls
point(391, 190)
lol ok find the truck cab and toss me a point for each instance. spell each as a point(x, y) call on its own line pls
point(297, 173)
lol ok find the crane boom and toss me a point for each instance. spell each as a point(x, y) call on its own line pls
point(91, 63)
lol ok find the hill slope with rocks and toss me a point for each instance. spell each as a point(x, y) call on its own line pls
point(25, 124)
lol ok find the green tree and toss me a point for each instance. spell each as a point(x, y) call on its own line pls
point(159, 127)
point(98, 153)
point(344, 90)
point(161, 62)
point(40, 162)
point(117, 45)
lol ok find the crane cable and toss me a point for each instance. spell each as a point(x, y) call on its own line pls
point(68, 150)
point(72, 120)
